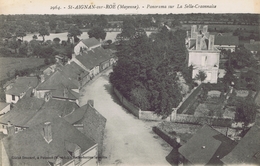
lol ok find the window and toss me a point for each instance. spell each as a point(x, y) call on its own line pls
point(13, 97)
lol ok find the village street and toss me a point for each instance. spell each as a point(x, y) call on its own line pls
point(128, 140)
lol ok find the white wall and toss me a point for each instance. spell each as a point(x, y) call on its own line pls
point(195, 58)
point(91, 153)
point(8, 99)
point(78, 46)
point(5, 110)
point(40, 93)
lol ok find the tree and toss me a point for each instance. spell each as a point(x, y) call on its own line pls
point(242, 58)
point(97, 32)
point(43, 32)
point(245, 111)
point(53, 24)
point(145, 72)
point(128, 29)
point(35, 37)
point(20, 32)
point(201, 76)
point(13, 44)
point(74, 31)
point(56, 40)
point(101, 21)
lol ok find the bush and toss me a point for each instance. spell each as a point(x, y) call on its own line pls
point(5, 52)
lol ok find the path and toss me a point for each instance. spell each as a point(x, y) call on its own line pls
point(128, 140)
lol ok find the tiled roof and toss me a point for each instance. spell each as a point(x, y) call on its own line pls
point(247, 151)
point(3, 105)
point(56, 80)
point(31, 142)
point(63, 107)
point(22, 84)
point(94, 57)
point(59, 93)
point(252, 46)
point(91, 42)
point(23, 111)
point(73, 71)
point(226, 40)
point(207, 146)
point(84, 111)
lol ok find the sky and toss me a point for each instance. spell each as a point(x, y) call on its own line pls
point(127, 6)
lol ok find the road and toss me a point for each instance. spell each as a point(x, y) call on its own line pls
point(127, 140)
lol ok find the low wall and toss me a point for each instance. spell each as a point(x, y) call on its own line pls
point(189, 100)
point(213, 121)
point(132, 108)
point(150, 115)
point(144, 115)
point(166, 137)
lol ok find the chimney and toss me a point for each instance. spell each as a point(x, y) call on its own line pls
point(10, 128)
point(42, 78)
point(91, 103)
point(178, 140)
point(65, 93)
point(47, 133)
point(211, 42)
point(198, 42)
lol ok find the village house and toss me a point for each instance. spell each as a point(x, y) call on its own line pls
point(203, 55)
point(19, 87)
point(206, 147)
point(96, 60)
point(54, 142)
point(86, 44)
point(226, 42)
point(54, 82)
point(247, 151)
point(21, 113)
point(90, 122)
point(73, 71)
point(31, 109)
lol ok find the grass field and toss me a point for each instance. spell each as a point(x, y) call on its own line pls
point(10, 64)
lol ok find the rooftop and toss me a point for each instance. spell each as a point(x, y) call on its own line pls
point(82, 112)
point(90, 42)
point(22, 84)
point(226, 40)
point(63, 107)
point(73, 71)
point(94, 57)
point(207, 146)
point(56, 80)
point(247, 151)
point(23, 111)
point(70, 94)
point(252, 46)
point(31, 142)
point(3, 105)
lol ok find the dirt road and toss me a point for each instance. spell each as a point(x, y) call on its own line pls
point(128, 140)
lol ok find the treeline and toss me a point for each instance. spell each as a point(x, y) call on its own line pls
point(147, 71)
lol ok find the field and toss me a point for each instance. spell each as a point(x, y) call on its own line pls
point(9, 65)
